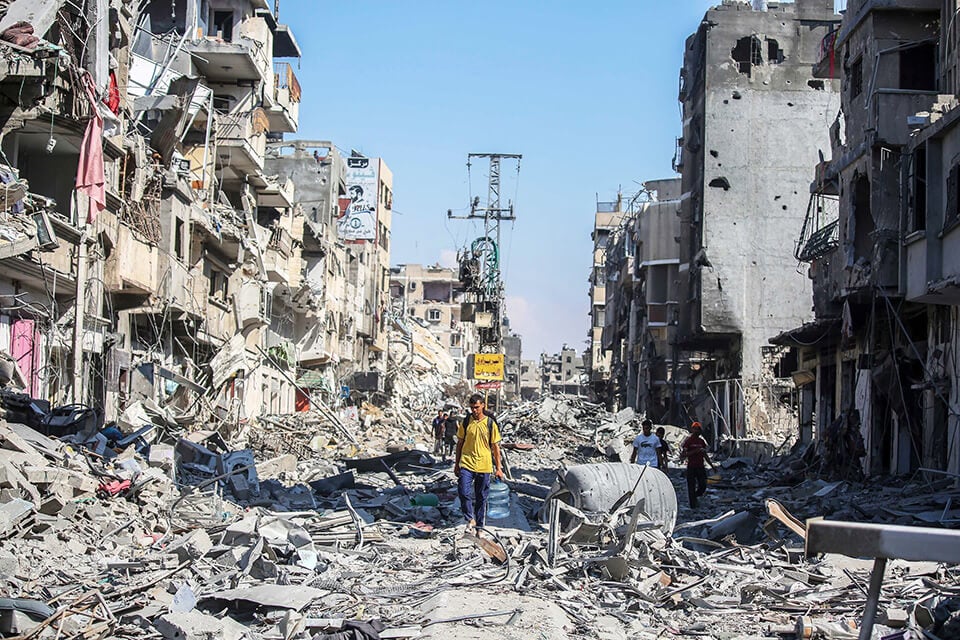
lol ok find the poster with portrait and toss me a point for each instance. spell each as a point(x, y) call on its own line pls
point(358, 219)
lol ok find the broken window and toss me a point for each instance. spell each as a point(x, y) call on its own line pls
point(918, 67)
point(747, 53)
point(454, 339)
point(223, 25)
point(178, 238)
point(864, 225)
point(599, 275)
point(952, 212)
point(436, 291)
point(855, 79)
point(218, 285)
point(918, 197)
point(774, 52)
point(433, 315)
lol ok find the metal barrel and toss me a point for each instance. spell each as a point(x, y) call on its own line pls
point(597, 487)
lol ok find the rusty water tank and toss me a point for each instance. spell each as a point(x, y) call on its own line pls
point(597, 487)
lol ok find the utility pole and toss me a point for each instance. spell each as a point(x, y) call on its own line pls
point(482, 259)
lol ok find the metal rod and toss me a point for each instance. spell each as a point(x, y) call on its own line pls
point(873, 598)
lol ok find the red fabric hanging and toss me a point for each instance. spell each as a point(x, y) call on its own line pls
point(90, 174)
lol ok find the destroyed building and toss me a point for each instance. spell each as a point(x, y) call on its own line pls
point(512, 355)
point(177, 264)
point(346, 205)
point(753, 115)
point(432, 296)
point(643, 259)
point(563, 372)
point(596, 358)
point(876, 369)
point(529, 380)
point(203, 274)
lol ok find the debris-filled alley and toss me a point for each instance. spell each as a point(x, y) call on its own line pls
point(341, 526)
point(228, 411)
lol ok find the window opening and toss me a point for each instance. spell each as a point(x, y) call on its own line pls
point(856, 78)
point(918, 67)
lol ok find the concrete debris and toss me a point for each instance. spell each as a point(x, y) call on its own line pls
point(238, 537)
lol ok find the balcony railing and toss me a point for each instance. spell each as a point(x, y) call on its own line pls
point(286, 79)
point(820, 232)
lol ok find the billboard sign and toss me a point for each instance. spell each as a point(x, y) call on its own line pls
point(488, 386)
point(487, 367)
point(358, 212)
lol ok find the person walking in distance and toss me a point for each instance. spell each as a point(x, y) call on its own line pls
point(646, 446)
point(664, 449)
point(694, 451)
point(438, 423)
point(478, 457)
point(450, 427)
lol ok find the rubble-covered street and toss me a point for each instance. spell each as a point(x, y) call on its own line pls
point(248, 391)
point(287, 529)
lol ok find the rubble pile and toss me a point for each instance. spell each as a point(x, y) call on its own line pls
point(186, 536)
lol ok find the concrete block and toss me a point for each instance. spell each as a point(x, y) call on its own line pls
point(16, 480)
point(9, 565)
point(275, 466)
point(53, 475)
point(52, 505)
point(191, 625)
point(897, 618)
point(13, 512)
point(192, 546)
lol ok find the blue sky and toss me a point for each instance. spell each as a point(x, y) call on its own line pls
point(587, 92)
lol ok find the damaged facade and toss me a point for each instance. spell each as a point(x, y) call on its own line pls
point(346, 205)
point(153, 247)
point(432, 297)
point(691, 302)
point(597, 357)
point(748, 94)
point(877, 373)
point(642, 271)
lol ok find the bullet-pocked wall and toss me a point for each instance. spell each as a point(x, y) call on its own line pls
point(754, 120)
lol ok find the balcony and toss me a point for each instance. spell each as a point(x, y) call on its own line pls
point(276, 194)
point(242, 55)
point(276, 259)
point(820, 232)
point(826, 65)
point(284, 112)
point(242, 142)
point(131, 268)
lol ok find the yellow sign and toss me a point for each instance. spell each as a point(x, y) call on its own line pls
point(487, 366)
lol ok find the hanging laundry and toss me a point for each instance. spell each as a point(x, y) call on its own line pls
point(113, 94)
point(90, 173)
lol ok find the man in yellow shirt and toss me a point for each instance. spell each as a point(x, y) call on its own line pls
point(478, 456)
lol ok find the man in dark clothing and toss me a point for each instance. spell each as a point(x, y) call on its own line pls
point(694, 451)
point(664, 449)
point(438, 423)
point(450, 426)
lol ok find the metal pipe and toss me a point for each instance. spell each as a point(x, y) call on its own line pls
point(873, 598)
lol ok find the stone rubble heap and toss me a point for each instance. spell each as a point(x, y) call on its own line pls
point(345, 527)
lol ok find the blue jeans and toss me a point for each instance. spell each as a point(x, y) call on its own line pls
point(473, 489)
